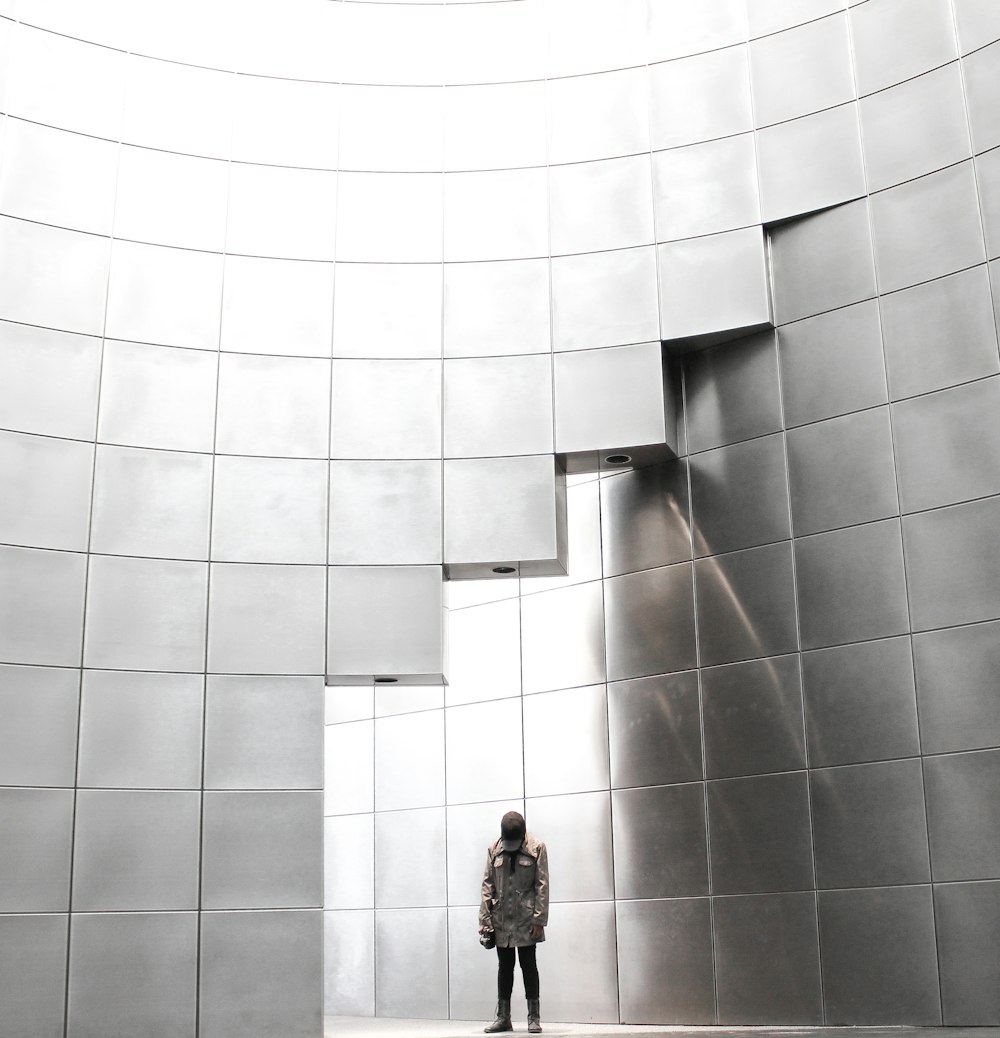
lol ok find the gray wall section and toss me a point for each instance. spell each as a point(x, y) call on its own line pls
point(756, 722)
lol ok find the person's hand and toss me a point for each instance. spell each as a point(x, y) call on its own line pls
point(536, 933)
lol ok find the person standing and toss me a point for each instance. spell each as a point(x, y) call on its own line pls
point(515, 905)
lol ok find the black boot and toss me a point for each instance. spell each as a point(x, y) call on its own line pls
point(502, 1022)
point(534, 1017)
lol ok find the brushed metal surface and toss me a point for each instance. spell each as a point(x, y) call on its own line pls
point(164, 295)
point(649, 619)
point(644, 518)
point(896, 40)
point(952, 572)
point(706, 188)
point(581, 977)
point(275, 120)
point(823, 149)
point(497, 214)
point(988, 175)
point(604, 299)
point(407, 422)
point(678, 30)
point(739, 496)
point(287, 638)
point(732, 392)
point(498, 406)
point(349, 963)
point(41, 606)
point(136, 850)
point(753, 717)
point(349, 863)
point(484, 661)
point(577, 832)
point(390, 128)
point(467, 730)
point(364, 327)
point(281, 212)
point(409, 761)
point(263, 733)
point(851, 585)
point(411, 963)
point(660, 835)
point(472, 978)
point(583, 537)
point(562, 638)
point(598, 116)
point(879, 956)
point(666, 972)
point(966, 917)
point(822, 261)
point(976, 23)
point(700, 97)
point(767, 16)
point(915, 128)
point(979, 71)
point(277, 306)
point(566, 742)
point(759, 829)
point(141, 730)
point(939, 334)
point(35, 866)
point(803, 69)
point(34, 258)
point(38, 739)
point(33, 985)
point(927, 228)
point(617, 198)
point(145, 614)
point(586, 35)
point(262, 850)
point(832, 364)
point(841, 472)
point(384, 513)
point(151, 502)
point(273, 406)
point(417, 838)
point(389, 217)
point(261, 971)
point(169, 199)
point(503, 509)
point(496, 309)
point(767, 959)
point(860, 703)
point(59, 178)
point(494, 125)
point(269, 510)
point(745, 604)
point(956, 673)
point(948, 445)
point(349, 767)
point(48, 491)
point(654, 730)
point(690, 271)
point(48, 381)
point(153, 396)
point(964, 828)
point(519, 36)
point(869, 825)
point(133, 974)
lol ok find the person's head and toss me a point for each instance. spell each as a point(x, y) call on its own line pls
point(512, 830)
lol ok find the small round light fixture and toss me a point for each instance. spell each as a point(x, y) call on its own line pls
point(503, 569)
point(386, 681)
point(618, 459)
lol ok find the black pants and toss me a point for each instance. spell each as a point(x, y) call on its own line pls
point(505, 972)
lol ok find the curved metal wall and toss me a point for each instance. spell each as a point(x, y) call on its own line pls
point(757, 712)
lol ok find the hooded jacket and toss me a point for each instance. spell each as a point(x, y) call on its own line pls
point(513, 901)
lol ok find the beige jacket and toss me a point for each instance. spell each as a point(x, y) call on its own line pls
point(511, 903)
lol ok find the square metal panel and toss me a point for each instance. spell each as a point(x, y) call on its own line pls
point(595, 117)
point(476, 634)
point(389, 217)
point(38, 738)
point(34, 870)
point(410, 761)
point(966, 916)
point(497, 214)
point(349, 767)
point(580, 977)
point(418, 839)
point(562, 638)
point(394, 128)
point(33, 983)
point(411, 963)
point(349, 862)
point(349, 963)
point(566, 742)
point(979, 73)
point(494, 125)
point(466, 728)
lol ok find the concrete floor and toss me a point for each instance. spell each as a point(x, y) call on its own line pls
point(366, 1027)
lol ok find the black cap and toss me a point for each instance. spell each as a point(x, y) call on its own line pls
point(512, 830)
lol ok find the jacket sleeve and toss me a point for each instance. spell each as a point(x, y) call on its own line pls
point(541, 916)
point(488, 896)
